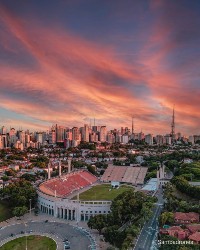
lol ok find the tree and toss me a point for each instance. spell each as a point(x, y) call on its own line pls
point(129, 206)
point(28, 177)
point(150, 175)
point(20, 211)
point(5, 178)
point(127, 242)
point(10, 172)
point(172, 164)
point(91, 169)
point(166, 217)
point(97, 222)
point(20, 193)
point(129, 211)
point(183, 186)
point(113, 236)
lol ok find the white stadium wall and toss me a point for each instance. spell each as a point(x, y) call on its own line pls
point(71, 209)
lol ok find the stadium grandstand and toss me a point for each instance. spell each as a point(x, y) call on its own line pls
point(59, 196)
point(54, 196)
point(67, 184)
point(125, 174)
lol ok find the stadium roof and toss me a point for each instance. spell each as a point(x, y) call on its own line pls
point(151, 185)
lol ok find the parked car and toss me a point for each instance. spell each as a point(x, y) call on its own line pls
point(67, 245)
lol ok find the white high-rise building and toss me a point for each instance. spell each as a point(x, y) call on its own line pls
point(125, 139)
point(167, 139)
point(149, 139)
point(191, 139)
point(159, 139)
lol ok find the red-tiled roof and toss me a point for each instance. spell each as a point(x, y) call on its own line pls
point(186, 216)
point(175, 228)
point(195, 237)
point(193, 228)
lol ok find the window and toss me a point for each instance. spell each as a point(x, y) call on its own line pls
point(95, 212)
point(90, 211)
point(99, 212)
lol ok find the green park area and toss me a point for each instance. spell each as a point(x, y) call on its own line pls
point(103, 192)
point(33, 243)
point(5, 211)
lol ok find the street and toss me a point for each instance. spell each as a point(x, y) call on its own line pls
point(146, 240)
point(56, 230)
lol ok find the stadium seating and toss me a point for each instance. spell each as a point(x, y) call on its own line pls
point(68, 183)
point(125, 174)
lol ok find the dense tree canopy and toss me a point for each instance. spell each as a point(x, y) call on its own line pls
point(20, 211)
point(190, 171)
point(20, 193)
point(129, 211)
point(183, 185)
point(97, 222)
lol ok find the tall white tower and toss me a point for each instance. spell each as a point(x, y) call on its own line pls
point(49, 171)
point(69, 165)
point(59, 168)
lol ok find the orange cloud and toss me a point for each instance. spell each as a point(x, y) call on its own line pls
point(73, 79)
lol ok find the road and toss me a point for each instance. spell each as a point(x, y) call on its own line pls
point(148, 234)
point(59, 231)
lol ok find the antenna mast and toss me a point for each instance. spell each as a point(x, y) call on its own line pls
point(173, 127)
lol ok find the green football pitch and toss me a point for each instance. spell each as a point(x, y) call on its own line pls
point(102, 192)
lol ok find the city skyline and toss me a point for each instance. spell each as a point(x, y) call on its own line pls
point(131, 130)
point(66, 62)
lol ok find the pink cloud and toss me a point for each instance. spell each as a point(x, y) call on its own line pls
point(75, 79)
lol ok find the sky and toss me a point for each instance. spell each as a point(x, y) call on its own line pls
point(68, 61)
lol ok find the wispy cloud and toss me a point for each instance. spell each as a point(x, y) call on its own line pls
point(72, 79)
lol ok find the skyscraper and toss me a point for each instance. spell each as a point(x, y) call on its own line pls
point(103, 131)
point(52, 135)
point(149, 139)
point(86, 133)
point(75, 134)
point(60, 133)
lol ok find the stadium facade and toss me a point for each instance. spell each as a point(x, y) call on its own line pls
point(55, 197)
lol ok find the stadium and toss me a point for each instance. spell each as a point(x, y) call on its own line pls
point(78, 195)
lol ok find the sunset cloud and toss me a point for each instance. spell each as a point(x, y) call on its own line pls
point(51, 75)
